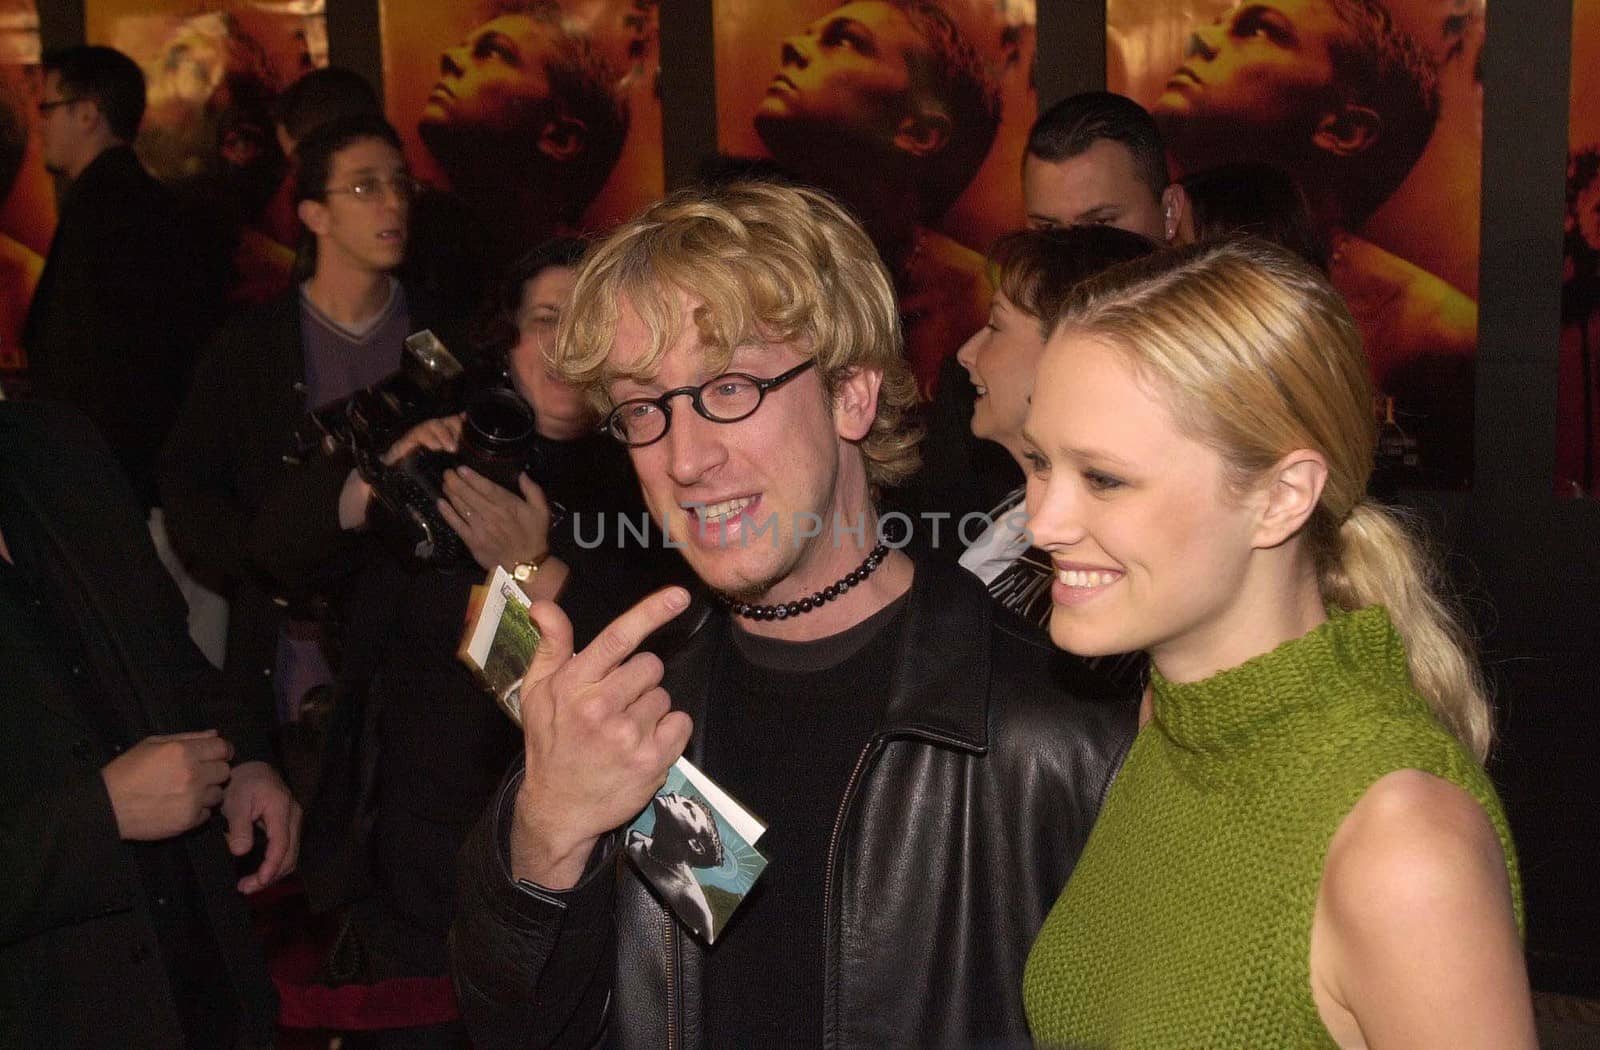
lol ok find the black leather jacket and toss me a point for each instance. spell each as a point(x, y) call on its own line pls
point(960, 824)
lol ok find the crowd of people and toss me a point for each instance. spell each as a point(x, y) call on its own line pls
point(1182, 747)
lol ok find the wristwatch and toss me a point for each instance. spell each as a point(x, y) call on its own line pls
point(525, 571)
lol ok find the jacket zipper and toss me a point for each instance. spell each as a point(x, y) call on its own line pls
point(674, 993)
point(833, 849)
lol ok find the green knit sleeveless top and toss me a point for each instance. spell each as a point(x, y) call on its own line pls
point(1187, 922)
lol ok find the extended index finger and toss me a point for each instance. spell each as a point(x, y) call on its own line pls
point(624, 634)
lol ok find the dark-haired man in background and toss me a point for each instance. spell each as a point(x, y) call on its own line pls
point(247, 520)
point(1092, 159)
point(128, 292)
point(1096, 158)
point(311, 100)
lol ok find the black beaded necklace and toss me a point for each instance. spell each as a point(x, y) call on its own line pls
point(815, 601)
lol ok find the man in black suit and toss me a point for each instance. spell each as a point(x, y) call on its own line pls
point(128, 291)
point(120, 924)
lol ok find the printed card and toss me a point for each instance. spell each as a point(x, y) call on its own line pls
point(696, 847)
point(693, 843)
point(500, 640)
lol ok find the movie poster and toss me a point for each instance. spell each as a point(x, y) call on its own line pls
point(212, 69)
point(27, 196)
point(541, 117)
point(1578, 391)
point(1375, 108)
point(916, 119)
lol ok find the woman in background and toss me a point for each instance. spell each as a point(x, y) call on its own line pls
point(1302, 848)
point(1033, 271)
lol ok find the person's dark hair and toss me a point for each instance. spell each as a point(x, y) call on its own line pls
point(1036, 270)
point(706, 848)
point(314, 163)
point(314, 156)
point(322, 96)
point(1071, 126)
point(495, 331)
point(1255, 199)
point(1378, 64)
point(954, 74)
point(106, 75)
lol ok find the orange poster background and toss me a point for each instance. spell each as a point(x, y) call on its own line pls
point(416, 32)
point(1410, 268)
point(27, 196)
point(186, 48)
point(1578, 390)
point(749, 34)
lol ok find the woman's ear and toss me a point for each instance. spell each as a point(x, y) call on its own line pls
point(855, 403)
point(1293, 488)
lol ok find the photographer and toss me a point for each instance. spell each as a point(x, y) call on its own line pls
point(248, 518)
point(417, 746)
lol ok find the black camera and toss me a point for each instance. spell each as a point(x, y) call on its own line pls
point(367, 422)
point(497, 441)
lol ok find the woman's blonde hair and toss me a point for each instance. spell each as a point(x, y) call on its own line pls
point(1257, 355)
point(766, 263)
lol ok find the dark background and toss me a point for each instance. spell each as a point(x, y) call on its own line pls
point(1529, 564)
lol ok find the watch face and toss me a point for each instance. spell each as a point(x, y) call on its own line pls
point(522, 572)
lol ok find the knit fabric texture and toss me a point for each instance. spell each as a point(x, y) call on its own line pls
point(1187, 922)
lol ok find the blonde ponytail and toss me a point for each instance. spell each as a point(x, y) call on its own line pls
point(1258, 355)
point(1376, 560)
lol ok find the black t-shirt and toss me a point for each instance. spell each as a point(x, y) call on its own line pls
point(785, 727)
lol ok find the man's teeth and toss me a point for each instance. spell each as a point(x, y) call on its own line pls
point(1077, 578)
point(726, 509)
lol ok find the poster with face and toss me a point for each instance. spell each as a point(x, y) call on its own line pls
point(27, 202)
point(541, 116)
point(1578, 390)
point(211, 74)
point(913, 112)
point(1374, 107)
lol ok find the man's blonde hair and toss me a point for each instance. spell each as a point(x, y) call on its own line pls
point(765, 263)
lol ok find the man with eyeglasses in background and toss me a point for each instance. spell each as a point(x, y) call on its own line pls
point(128, 291)
point(927, 768)
point(247, 519)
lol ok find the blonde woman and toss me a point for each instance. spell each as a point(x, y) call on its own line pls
point(1302, 848)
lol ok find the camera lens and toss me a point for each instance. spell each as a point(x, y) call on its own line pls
point(497, 437)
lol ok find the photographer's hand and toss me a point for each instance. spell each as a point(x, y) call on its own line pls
point(500, 527)
point(442, 434)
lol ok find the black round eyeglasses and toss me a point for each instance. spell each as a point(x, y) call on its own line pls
point(728, 398)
